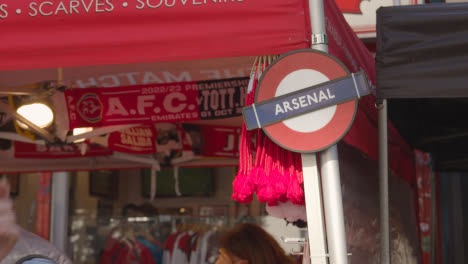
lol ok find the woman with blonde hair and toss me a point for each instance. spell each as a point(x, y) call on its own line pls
point(250, 244)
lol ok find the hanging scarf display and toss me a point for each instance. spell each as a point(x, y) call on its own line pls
point(273, 173)
point(155, 103)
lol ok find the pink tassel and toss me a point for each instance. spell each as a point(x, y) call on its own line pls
point(242, 186)
point(239, 180)
point(265, 189)
point(295, 192)
point(275, 174)
point(242, 190)
point(298, 167)
point(256, 168)
point(280, 174)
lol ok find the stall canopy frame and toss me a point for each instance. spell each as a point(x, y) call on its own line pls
point(421, 65)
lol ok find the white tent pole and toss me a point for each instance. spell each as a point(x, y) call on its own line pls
point(333, 202)
point(385, 256)
point(16, 137)
point(331, 183)
point(312, 188)
point(60, 200)
point(313, 198)
point(317, 23)
point(98, 132)
point(59, 210)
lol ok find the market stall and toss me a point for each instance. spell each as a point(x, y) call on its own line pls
point(89, 48)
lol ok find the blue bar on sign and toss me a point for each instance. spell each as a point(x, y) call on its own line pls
point(305, 101)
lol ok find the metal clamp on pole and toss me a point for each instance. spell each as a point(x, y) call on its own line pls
point(319, 39)
point(296, 252)
point(293, 240)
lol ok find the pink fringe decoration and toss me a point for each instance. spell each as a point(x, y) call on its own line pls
point(242, 186)
point(265, 188)
point(276, 174)
point(242, 189)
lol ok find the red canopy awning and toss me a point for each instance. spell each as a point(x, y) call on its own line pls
point(47, 34)
point(131, 42)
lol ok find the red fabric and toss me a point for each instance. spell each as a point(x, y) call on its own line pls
point(184, 244)
point(223, 141)
point(111, 250)
point(135, 140)
point(153, 103)
point(138, 253)
point(116, 252)
point(140, 104)
point(65, 37)
point(349, 6)
point(371, 46)
point(28, 150)
point(363, 135)
point(170, 242)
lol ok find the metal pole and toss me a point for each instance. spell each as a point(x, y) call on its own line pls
point(385, 256)
point(317, 23)
point(313, 199)
point(331, 182)
point(332, 197)
point(59, 210)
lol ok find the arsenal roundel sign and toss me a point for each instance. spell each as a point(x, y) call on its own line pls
point(306, 101)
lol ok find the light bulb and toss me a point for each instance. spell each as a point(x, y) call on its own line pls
point(79, 131)
point(37, 113)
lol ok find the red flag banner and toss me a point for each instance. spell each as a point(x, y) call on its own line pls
point(135, 140)
point(168, 139)
point(148, 104)
point(28, 150)
point(216, 141)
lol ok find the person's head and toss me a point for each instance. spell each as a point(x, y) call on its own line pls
point(130, 210)
point(250, 244)
point(148, 210)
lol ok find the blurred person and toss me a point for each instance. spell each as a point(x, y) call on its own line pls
point(18, 246)
point(250, 244)
point(131, 210)
point(9, 231)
